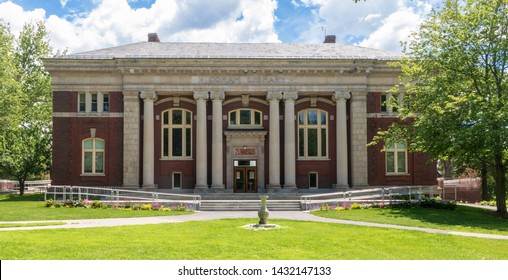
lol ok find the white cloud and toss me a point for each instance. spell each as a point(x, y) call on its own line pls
point(17, 17)
point(374, 23)
point(394, 29)
point(114, 22)
point(63, 2)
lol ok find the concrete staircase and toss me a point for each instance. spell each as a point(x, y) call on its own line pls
point(249, 202)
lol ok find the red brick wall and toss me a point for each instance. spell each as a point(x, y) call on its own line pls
point(68, 134)
point(421, 169)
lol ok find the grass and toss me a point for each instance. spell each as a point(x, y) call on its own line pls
point(463, 218)
point(226, 240)
point(37, 224)
point(31, 208)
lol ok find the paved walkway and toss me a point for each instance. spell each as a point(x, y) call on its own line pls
point(214, 215)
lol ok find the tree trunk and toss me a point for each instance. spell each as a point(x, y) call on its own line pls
point(485, 187)
point(21, 187)
point(500, 177)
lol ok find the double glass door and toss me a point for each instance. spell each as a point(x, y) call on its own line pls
point(245, 177)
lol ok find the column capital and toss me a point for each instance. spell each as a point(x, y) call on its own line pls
point(148, 95)
point(201, 95)
point(274, 95)
point(340, 96)
point(290, 96)
point(217, 95)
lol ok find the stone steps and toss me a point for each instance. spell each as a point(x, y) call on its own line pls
point(249, 205)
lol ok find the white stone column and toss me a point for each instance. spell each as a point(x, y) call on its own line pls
point(201, 142)
point(131, 134)
point(100, 102)
point(149, 98)
point(274, 141)
point(341, 138)
point(88, 102)
point(217, 141)
point(289, 140)
point(359, 160)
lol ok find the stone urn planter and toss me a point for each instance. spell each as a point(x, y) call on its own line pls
point(263, 213)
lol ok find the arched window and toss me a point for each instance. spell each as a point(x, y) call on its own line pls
point(312, 134)
point(245, 118)
point(93, 156)
point(177, 133)
point(396, 158)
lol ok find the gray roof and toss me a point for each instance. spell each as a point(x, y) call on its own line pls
point(236, 50)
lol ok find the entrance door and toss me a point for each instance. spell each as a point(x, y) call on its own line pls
point(245, 177)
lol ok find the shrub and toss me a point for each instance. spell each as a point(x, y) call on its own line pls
point(96, 204)
point(146, 206)
point(181, 208)
point(356, 206)
point(340, 208)
point(324, 207)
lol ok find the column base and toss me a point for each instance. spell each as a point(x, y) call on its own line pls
point(217, 189)
point(149, 187)
point(201, 189)
point(291, 188)
point(342, 188)
point(131, 187)
point(273, 188)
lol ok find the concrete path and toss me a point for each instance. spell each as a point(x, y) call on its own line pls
point(214, 215)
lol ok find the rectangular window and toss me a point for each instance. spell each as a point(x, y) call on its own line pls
point(82, 102)
point(94, 102)
point(88, 163)
point(313, 180)
point(105, 103)
point(89, 102)
point(245, 117)
point(93, 156)
point(312, 140)
point(177, 142)
point(176, 134)
point(384, 107)
point(188, 142)
point(301, 142)
point(396, 158)
point(177, 180)
point(323, 142)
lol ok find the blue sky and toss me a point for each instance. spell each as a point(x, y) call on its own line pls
point(81, 25)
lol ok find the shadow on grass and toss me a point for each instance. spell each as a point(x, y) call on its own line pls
point(25, 197)
point(462, 216)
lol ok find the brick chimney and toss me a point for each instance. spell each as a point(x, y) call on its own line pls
point(153, 37)
point(329, 39)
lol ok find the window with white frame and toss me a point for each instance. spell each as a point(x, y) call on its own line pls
point(313, 180)
point(390, 103)
point(312, 134)
point(177, 134)
point(245, 118)
point(177, 180)
point(93, 156)
point(93, 102)
point(396, 158)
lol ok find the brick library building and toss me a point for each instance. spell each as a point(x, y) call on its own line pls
point(228, 117)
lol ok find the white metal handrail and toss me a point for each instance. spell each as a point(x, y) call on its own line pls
point(383, 193)
point(118, 195)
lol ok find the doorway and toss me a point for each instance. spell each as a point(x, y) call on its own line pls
point(245, 174)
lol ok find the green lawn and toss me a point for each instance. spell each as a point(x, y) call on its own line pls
point(461, 219)
point(31, 208)
point(225, 239)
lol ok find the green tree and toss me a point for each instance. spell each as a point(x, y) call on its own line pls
point(25, 132)
point(454, 78)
